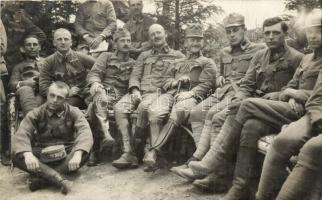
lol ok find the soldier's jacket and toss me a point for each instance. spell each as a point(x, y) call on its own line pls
point(306, 75)
point(234, 64)
point(202, 73)
point(3, 49)
point(150, 68)
point(265, 75)
point(139, 29)
point(27, 69)
point(112, 72)
point(94, 18)
point(43, 128)
point(71, 69)
point(314, 104)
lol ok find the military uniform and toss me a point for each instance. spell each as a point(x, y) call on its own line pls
point(71, 69)
point(139, 29)
point(95, 18)
point(28, 96)
point(42, 128)
point(265, 76)
point(301, 135)
point(113, 73)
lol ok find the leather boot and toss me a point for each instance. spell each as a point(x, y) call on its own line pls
point(53, 177)
point(93, 159)
point(184, 166)
point(128, 158)
point(36, 183)
point(168, 129)
point(243, 172)
point(204, 142)
point(213, 183)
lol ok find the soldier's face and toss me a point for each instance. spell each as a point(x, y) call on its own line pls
point(56, 97)
point(157, 36)
point(194, 44)
point(62, 41)
point(313, 35)
point(136, 7)
point(123, 44)
point(235, 35)
point(274, 36)
point(32, 47)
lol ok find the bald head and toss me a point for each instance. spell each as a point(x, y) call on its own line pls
point(62, 40)
point(157, 35)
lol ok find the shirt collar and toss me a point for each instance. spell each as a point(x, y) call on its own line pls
point(193, 56)
point(59, 113)
point(243, 45)
point(164, 49)
point(279, 55)
point(137, 19)
point(67, 57)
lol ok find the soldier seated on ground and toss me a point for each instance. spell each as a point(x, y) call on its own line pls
point(52, 139)
point(25, 76)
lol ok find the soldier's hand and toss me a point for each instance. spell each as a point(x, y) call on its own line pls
point(95, 87)
point(184, 95)
point(272, 96)
point(296, 107)
point(220, 81)
point(184, 79)
point(73, 91)
point(74, 163)
point(287, 94)
point(136, 95)
point(96, 41)
point(31, 161)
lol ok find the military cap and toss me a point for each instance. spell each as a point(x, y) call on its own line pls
point(121, 32)
point(234, 19)
point(314, 18)
point(194, 30)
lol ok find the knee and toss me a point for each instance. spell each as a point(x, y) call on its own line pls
point(25, 90)
point(143, 107)
point(283, 143)
point(313, 147)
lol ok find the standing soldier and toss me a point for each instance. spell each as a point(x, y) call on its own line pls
point(301, 135)
point(138, 26)
point(234, 62)
point(144, 87)
point(269, 71)
point(25, 76)
point(109, 81)
point(95, 22)
point(194, 76)
point(67, 66)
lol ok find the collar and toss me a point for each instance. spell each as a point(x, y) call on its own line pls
point(278, 55)
point(194, 56)
point(138, 19)
point(58, 113)
point(67, 57)
point(243, 45)
point(164, 49)
point(317, 53)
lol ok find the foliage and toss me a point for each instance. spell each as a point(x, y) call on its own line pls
point(302, 4)
point(174, 13)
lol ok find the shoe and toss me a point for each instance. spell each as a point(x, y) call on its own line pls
point(66, 186)
point(235, 193)
point(198, 168)
point(93, 159)
point(127, 160)
point(212, 183)
point(150, 158)
point(189, 174)
point(5, 159)
point(106, 142)
point(177, 168)
point(150, 169)
point(36, 183)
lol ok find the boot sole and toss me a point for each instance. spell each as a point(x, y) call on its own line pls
point(122, 165)
point(214, 188)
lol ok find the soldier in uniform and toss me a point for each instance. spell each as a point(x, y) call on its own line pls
point(187, 83)
point(68, 66)
point(109, 81)
point(269, 71)
point(25, 76)
point(95, 22)
point(302, 134)
point(52, 139)
point(138, 26)
point(234, 62)
point(144, 88)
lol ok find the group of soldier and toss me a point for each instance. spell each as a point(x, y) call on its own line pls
point(257, 90)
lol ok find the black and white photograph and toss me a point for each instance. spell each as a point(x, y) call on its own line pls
point(161, 100)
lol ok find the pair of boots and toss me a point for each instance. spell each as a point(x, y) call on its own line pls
point(128, 159)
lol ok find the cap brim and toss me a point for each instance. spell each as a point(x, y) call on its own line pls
point(233, 25)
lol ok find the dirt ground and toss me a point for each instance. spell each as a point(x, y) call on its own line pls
point(104, 182)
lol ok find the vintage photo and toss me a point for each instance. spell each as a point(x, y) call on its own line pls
point(161, 99)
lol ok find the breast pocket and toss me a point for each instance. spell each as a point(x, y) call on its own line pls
point(241, 64)
point(283, 74)
point(309, 78)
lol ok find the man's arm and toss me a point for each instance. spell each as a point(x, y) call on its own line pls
point(14, 78)
point(313, 105)
point(136, 74)
point(46, 77)
point(84, 137)
point(110, 18)
point(87, 61)
point(79, 21)
point(3, 39)
point(98, 70)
